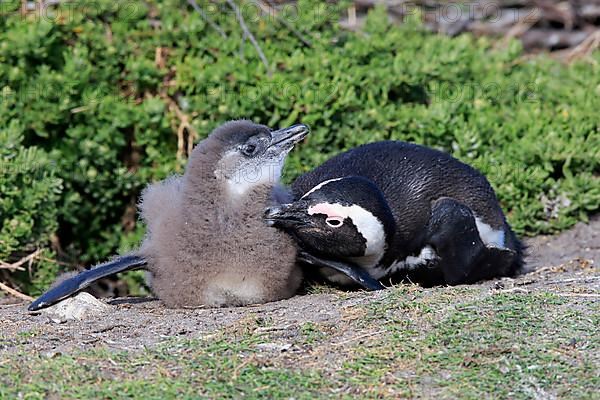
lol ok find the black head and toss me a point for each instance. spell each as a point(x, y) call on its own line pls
point(252, 154)
point(344, 217)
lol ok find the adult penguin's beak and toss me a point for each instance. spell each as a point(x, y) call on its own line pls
point(286, 216)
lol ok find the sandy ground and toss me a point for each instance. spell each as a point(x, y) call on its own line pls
point(566, 263)
point(582, 241)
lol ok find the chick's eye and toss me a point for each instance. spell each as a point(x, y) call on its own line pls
point(334, 222)
point(249, 149)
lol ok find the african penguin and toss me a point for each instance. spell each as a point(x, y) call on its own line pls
point(207, 242)
point(401, 210)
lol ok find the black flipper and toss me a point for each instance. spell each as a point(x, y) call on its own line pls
point(464, 258)
point(357, 274)
point(86, 278)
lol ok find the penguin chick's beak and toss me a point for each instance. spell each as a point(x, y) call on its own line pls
point(283, 140)
point(284, 217)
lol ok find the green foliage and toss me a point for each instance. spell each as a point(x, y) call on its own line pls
point(28, 205)
point(83, 85)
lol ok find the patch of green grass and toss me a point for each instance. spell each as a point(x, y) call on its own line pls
point(448, 343)
point(27, 334)
point(312, 333)
point(508, 345)
point(177, 369)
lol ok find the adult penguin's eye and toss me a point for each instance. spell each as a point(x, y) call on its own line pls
point(334, 222)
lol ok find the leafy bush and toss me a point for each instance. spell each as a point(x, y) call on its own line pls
point(28, 207)
point(100, 93)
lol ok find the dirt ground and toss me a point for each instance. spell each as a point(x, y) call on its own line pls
point(564, 263)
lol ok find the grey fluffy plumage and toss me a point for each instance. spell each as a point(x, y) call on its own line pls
point(207, 242)
point(209, 245)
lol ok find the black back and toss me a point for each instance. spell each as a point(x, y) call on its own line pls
point(410, 177)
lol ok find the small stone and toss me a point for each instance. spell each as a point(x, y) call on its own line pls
point(278, 347)
point(52, 354)
point(79, 307)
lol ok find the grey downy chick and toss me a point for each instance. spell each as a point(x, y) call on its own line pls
point(207, 242)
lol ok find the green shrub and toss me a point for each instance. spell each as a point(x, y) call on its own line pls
point(84, 88)
point(28, 207)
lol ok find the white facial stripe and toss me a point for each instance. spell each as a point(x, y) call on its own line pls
point(488, 235)
point(319, 186)
point(366, 223)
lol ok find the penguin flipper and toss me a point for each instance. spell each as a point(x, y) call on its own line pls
point(465, 259)
point(357, 274)
point(85, 279)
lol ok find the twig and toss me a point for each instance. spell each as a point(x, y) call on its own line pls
point(585, 48)
point(593, 295)
point(512, 290)
point(352, 339)
point(558, 281)
point(160, 61)
point(285, 22)
point(263, 329)
point(14, 292)
point(352, 15)
point(243, 364)
point(10, 267)
point(16, 266)
point(570, 280)
point(249, 35)
point(205, 17)
point(109, 328)
point(518, 29)
point(159, 57)
point(184, 125)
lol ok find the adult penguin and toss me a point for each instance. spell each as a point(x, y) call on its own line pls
point(396, 209)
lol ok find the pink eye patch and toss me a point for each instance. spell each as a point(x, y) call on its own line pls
point(328, 209)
